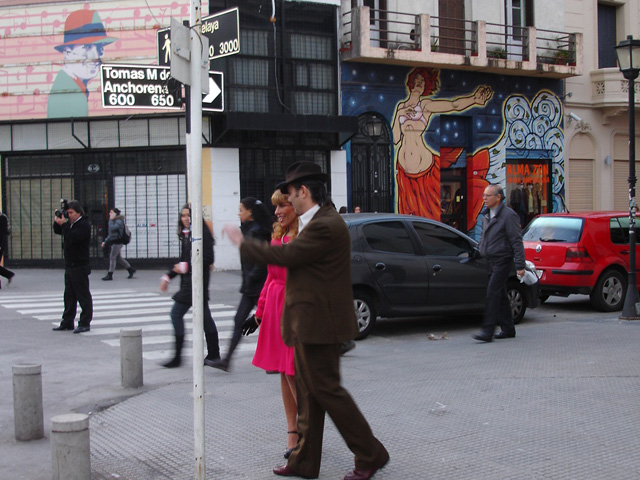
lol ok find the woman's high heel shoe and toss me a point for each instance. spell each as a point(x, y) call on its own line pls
point(288, 451)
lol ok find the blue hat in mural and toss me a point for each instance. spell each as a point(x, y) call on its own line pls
point(84, 27)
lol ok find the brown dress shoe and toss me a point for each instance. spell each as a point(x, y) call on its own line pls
point(286, 471)
point(365, 473)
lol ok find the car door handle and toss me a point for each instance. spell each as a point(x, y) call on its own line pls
point(624, 252)
point(380, 266)
point(436, 268)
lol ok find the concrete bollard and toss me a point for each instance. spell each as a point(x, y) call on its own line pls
point(131, 357)
point(70, 451)
point(27, 402)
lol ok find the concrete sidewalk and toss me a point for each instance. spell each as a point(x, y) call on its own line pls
point(558, 401)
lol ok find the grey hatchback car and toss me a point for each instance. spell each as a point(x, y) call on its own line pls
point(407, 266)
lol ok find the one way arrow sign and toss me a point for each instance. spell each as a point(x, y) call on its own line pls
point(214, 100)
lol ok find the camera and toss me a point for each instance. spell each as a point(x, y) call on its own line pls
point(62, 211)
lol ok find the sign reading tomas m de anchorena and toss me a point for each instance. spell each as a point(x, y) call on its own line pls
point(137, 86)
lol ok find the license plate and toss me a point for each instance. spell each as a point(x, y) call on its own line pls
point(539, 273)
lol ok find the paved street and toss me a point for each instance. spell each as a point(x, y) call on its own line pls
point(558, 401)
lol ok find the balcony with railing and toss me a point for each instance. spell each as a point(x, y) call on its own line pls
point(380, 36)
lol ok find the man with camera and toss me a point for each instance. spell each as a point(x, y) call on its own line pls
point(75, 229)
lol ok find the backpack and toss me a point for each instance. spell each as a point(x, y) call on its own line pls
point(126, 235)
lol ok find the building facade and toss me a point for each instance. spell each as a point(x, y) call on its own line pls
point(411, 107)
point(597, 112)
point(68, 132)
point(452, 96)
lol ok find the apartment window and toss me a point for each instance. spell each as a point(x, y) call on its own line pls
point(290, 69)
point(313, 82)
point(606, 36)
point(249, 73)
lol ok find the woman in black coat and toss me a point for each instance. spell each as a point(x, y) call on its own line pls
point(183, 297)
point(256, 222)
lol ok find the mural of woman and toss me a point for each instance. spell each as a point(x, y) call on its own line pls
point(418, 167)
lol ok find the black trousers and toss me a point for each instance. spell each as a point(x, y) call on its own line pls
point(247, 302)
point(498, 310)
point(76, 290)
point(5, 272)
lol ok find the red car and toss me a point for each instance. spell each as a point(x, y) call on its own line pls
point(586, 253)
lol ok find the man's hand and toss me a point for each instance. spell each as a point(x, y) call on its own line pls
point(520, 273)
point(234, 233)
point(60, 220)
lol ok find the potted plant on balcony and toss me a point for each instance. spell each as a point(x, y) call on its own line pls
point(564, 57)
point(497, 53)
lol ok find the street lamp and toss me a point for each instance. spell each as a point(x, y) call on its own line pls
point(628, 52)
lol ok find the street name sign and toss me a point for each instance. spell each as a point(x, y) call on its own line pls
point(223, 31)
point(137, 86)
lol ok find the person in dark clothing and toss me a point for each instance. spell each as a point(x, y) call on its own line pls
point(501, 244)
point(4, 245)
point(255, 223)
point(114, 241)
point(183, 297)
point(76, 237)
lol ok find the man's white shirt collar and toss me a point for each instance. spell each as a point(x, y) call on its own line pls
point(307, 216)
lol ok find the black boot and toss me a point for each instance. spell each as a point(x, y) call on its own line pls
point(108, 276)
point(213, 349)
point(131, 271)
point(177, 359)
point(224, 363)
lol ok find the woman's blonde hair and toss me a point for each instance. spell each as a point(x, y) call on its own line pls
point(278, 230)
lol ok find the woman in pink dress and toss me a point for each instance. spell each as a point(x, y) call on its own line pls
point(272, 354)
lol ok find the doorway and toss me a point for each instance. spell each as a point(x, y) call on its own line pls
point(452, 26)
point(453, 205)
point(371, 177)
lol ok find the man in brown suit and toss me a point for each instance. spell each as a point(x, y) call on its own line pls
point(318, 316)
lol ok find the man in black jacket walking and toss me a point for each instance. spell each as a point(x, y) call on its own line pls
point(501, 244)
point(76, 236)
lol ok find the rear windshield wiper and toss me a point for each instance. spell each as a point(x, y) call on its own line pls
point(549, 239)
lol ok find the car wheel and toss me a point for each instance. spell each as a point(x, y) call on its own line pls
point(366, 313)
point(515, 292)
point(609, 292)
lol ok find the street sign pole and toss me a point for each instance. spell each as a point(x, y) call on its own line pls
point(195, 189)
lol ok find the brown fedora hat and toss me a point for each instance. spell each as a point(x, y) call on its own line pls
point(302, 171)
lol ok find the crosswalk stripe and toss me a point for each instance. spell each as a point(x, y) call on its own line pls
point(57, 300)
point(46, 296)
point(108, 306)
point(162, 339)
point(115, 310)
point(130, 313)
point(187, 353)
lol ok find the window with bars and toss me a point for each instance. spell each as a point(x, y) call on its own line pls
point(294, 64)
point(148, 186)
point(261, 169)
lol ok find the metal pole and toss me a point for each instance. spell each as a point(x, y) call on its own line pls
point(629, 309)
point(195, 189)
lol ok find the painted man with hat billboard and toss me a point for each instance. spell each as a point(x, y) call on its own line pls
point(83, 47)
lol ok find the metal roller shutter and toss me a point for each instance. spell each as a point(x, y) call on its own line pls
point(580, 185)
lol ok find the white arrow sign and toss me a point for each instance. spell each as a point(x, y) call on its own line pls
point(214, 91)
point(214, 100)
